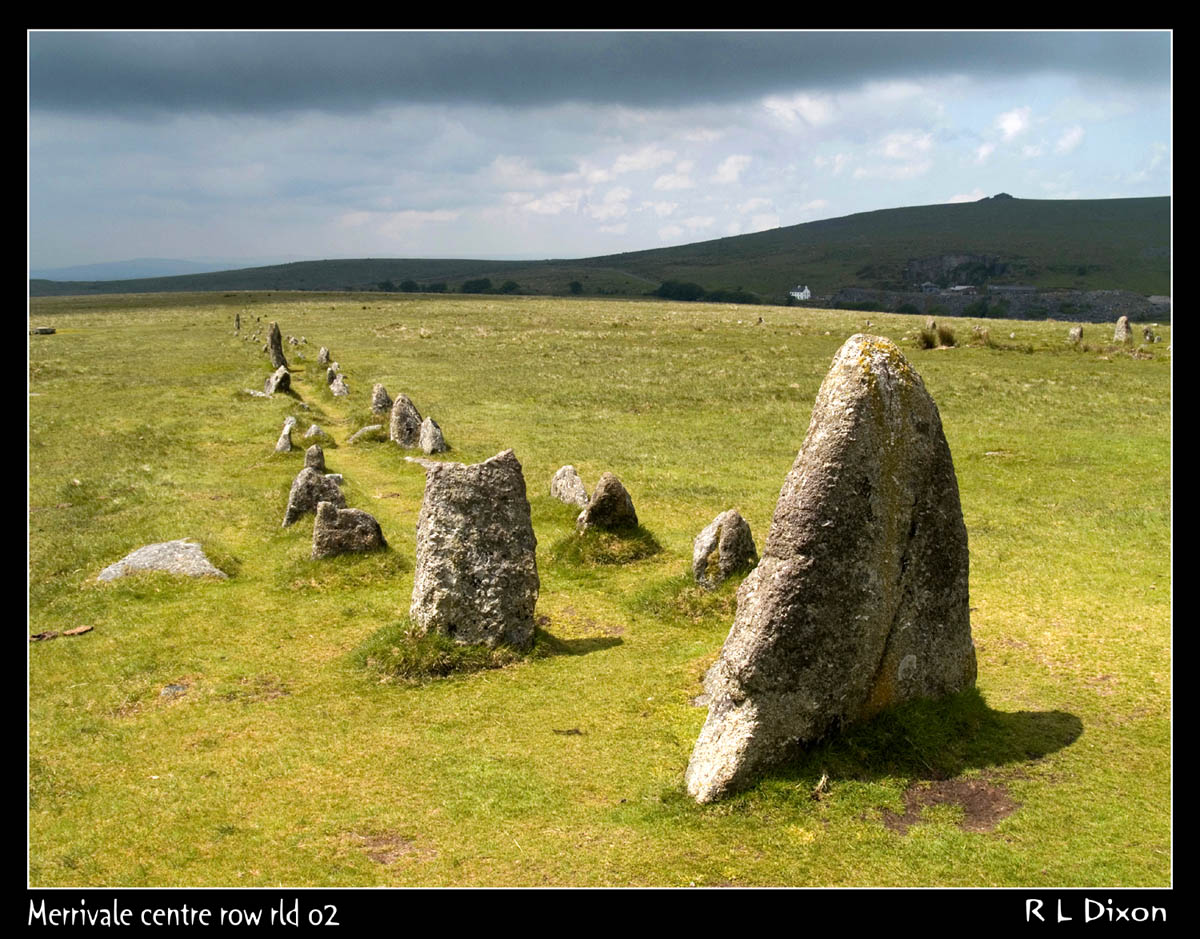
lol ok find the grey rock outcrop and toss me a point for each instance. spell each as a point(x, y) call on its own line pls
point(860, 600)
point(284, 443)
point(309, 489)
point(338, 387)
point(279, 380)
point(723, 548)
point(405, 425)
point(314, 458)
point(275, 347)
point(610, 508)
point(476, 576)
point(1122, 333)
point(431, 438)
point(566, 486)
point(343, 531)
point(175, 557)
point(381, 402)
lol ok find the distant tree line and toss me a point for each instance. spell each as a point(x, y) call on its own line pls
point(682, 290)
point(479, 285)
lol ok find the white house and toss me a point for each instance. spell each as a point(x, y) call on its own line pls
point(801, 293)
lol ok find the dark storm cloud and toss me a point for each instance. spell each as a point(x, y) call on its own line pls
point(134, 73)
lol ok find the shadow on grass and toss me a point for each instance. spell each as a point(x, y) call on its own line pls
point(922, 740)
point(546, 645)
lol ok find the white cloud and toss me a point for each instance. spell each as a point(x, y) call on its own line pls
point(699, 222)
point(763, 221)
point(983, 151)
point(1014, 123)
point(814, 205)
point(905, 145)
point(1031, 151)
point(661, 209)
point(555, 203)
point(839, 161)
point(676, 180)
point(810, 109)
point(731, 168)
point(669, 232)
point(613, 205)
point(614, 229)
point(753, 205)
point(973, 196)
point(647, 158)
point(1071, 138)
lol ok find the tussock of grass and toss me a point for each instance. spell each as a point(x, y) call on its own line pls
point(596, 547)
point(681, 600)
point(396, 653)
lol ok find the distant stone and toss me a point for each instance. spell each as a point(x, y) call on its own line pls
point(1076, 334)
point(316, 431)
point(280, 380)
point(175, 557)
point(323, 356)
point(336, 477)
point(364, 432)
point(284, 444)
point(255, 393)
point(1122, 333)
point(566, 486)
point(331, 375)
point(723, 548)
point(314, 458)
point(931, 324)
point(610, 507)
point(476, 577)
point(405, 426)
point(42, 331)
point(1148, 334)
point(860, 600)
point(275, 347)
point(338, 387)
point(381, 403)
point(309, 489)
point(431, 438)
point(342, 531)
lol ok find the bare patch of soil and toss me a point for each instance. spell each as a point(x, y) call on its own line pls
point(984, 803)
point(389, 847)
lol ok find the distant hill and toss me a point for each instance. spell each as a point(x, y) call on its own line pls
point(135, 268)
point(1086, 244)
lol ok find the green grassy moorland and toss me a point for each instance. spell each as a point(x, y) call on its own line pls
point(298, 753)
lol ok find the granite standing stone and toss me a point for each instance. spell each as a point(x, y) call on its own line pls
point(323, 356)
point(309, 489)
point(381, 403)
point(338, 387)
point(284, 443)
point(860, 600)
point(343, 531)
point(566, 486)
point(727, 537)
point(275, 347)
point(405, 426)
point(279, 380)
point(476, 577)
point(610, 508)
point(1122, 333)
point(363, 432)
point(1076, 334)
point(431, 438)
point(314, 458)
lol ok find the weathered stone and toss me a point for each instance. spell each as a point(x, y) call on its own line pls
point(860, 600)
point(284, 444)
point(316, 431)
point(727, 537)
point(381, 403)
point(309, 489)
point(42, 331)
point(363, 432)
point(331, 375)
point(405, 426)
point(1148, 334)
point(279, 380)
point(431, 438)
point(323, 356)
point(237, 322)
point(174, 557)
point(476, 576)
point(314, 457)
point(1122, 333)
point(1075, 334)
point(341, 531)
point(566, 486)
point(336, 477)
point(275, 347)
point(338, 387)
point(610, 507)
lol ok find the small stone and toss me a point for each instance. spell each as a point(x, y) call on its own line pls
point(331, 375)
point(284, 444)
point(1076, 334)
point(314, 458)
point(728, 537)
point(381, 402)
point(610, 508)
point(174, 557)
point(1148, 334)
point(316, 431)
point(342, 531)
point(309, 489)
point(431, 438)
point(364, 432)
point(323, 356)
point(566, 486)
point(1122, 333)
point(280, 380)
point(339, 388)
point(405, 426)
point(42, 331)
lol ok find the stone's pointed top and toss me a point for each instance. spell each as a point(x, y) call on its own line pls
point(610, 508)
point(431, 438)
point(280, 380)
point(314, 457)
point(860, 600)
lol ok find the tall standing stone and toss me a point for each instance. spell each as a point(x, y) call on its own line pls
point(860, 600)
point(405, 426)
point(309, 489)
point(275, 347)
point(323, 356)
point(476, 576)
point(314, 457)
point(1122, 333)
point(381, 403)
point(728, 537)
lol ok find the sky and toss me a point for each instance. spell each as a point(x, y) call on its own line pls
point(308, 145)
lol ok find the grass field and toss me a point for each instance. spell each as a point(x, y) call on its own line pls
point(293, 757)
